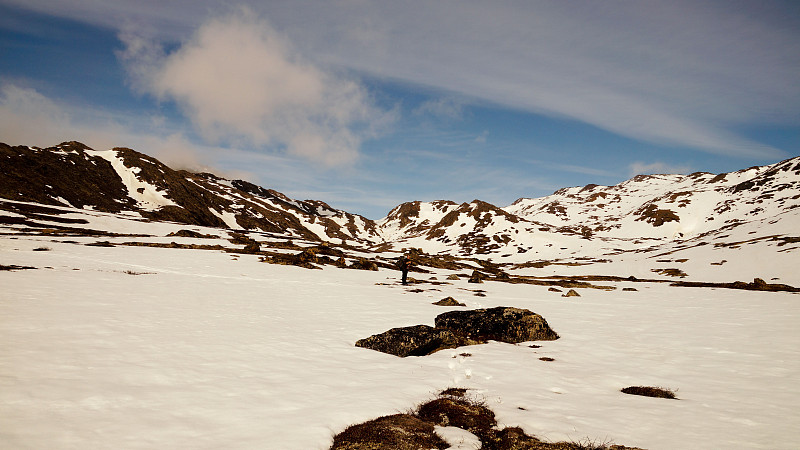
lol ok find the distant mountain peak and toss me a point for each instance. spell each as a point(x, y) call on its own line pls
point(657, 208)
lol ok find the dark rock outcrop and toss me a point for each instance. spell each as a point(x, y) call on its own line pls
point(476, 277)
point(758, 284)
point(191, 234)
point(65, 172)
point(503, 324)
point(72, 174)
point(418, 340)
point(448, 301)
point(364, 264)
point(458, 328)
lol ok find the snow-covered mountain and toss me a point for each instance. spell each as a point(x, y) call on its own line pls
point(476, 227)
point(669, 206)
point(647, 209)
point(121, 179)
point(653, 209)
point(154, 308)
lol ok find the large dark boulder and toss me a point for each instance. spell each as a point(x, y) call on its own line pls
point(503, 324)
point(418, 340)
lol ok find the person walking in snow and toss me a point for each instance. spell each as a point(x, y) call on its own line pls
point(404, 264)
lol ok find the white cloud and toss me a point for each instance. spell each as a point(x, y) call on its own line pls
point(240, 81)
point(446, 108)
point(675, 73)
point(641, 168)
point(29, 118)
point(682, 72)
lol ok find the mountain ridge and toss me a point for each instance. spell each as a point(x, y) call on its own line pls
point(655, 208)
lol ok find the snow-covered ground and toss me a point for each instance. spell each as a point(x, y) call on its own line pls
point(137, 347)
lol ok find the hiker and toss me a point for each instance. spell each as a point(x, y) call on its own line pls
point(404, 264)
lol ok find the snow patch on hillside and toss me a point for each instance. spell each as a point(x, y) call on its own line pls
point(147, 196)
point(228, 217)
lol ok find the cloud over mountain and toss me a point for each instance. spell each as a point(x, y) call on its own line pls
point(239, 80)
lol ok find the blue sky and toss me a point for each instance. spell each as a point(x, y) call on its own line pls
point(366, 104)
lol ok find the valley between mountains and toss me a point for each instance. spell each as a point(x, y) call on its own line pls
point(146, 307)
point(661, 221)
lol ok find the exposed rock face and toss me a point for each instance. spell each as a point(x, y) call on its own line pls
point(66, 172)
point(674, 205)
point(683, 206)
point(449, 301)
point(122, 179)
point(191, 234)
point(364, 264)
point(476, 277)
point(418, 340)
point(758, 284)
point(457, 328)
point(503, 324)
point(572, 293)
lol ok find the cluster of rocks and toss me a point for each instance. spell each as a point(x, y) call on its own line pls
point(458, 328)
point(758, 284)
point(323, 254)
point(449, 301)
point(250, 244)
point(415, 430)
point(194, 234)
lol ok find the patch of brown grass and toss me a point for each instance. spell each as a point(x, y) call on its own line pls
point(670, 272)
point(131, 272)
point(414, 430)
point(15, 267)
point(649, 391)
point(396, 432)
point(464, 413)
point(454, 392)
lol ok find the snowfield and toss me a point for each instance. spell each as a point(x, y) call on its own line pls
point(137, 347)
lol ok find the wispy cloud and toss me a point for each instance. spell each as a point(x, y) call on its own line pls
point(447, 108)
point(681, 73)
point(673, 73)
point(583, 170)
point(641, 168)
point(27, 117)
point(240, 81)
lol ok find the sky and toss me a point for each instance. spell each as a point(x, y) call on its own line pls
point(367, 104)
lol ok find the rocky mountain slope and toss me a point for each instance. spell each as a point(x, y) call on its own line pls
point(121, 179)
point(647, 211)
point(672, 205)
